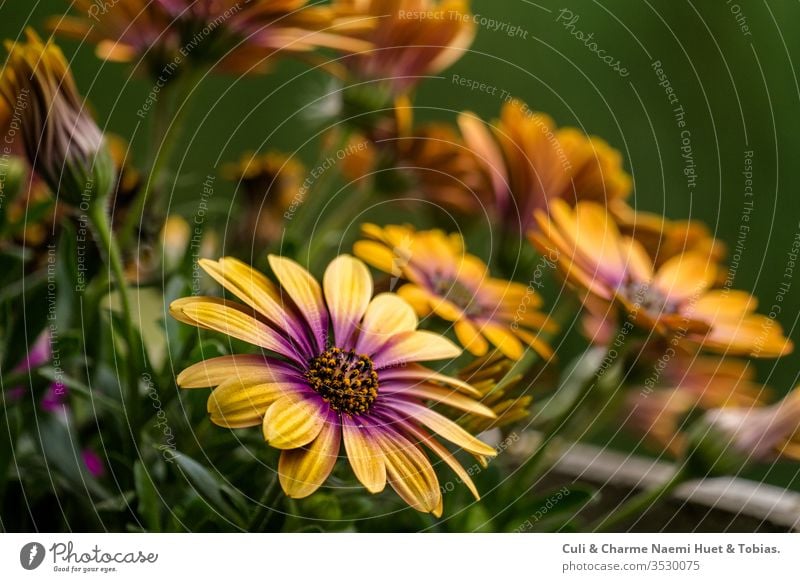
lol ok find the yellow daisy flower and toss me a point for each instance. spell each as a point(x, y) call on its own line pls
point(338, 367)
point(445, 280)
point(676, 299)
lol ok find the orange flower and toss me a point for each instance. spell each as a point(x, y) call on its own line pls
point(531, 162)
point(675, 300)
point(412, 39)
point(233, 36)
point(445, 280)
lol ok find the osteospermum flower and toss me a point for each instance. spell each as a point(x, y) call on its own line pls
point(62, 142)
point(270, 183)
point(138, 31)
point(412, 39)
point(758, 434)
point(442, 278)
point(675, 300)
point(339, 367)
point(234, 36)
point(532, 162)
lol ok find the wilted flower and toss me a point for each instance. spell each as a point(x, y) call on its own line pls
point(412, 39)
point(531, 162)
point(271, 183)
point(62, 142)
point(674, 300)
point(442, 278)
point(338, 365)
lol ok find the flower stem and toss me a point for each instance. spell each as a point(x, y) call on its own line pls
point(266, 507)
point(640, 503)
point(166, 132)
point(107, 244)
point(535, 465)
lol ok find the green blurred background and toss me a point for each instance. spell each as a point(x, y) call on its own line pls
point(738, 87)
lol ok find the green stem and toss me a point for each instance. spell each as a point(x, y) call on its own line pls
point(640, 503)
point(100, 221)
point(266, 507)
point(167, 126)
point(535, 465)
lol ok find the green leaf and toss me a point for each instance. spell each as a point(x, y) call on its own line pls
point(207, 486)
point(149, 500)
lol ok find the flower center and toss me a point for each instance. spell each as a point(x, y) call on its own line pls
point(459, 294)
point(647, 297)
point(345, 380)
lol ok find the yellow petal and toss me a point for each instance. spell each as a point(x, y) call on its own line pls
point(685, 275)
point(387, 315)
point(443, 396)
point(471, 338)
point(304, 291)
point(215, 371)
point(302, 471)
point(416, 346)
point(409, 472)
point(504, 340)
point(379, 256)
point(238, 403)
point(417, 297)
point(348, 290)
point(365, 455)
point(252, 287)
point(445, 455)
point(445, 428)
point(231, 319)
point(293, 422)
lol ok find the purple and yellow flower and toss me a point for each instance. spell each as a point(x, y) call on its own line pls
point(412, 39)
point(443, 279)
point(531, 162)
point(338, 367)
point(62, 142)
point(676, 299)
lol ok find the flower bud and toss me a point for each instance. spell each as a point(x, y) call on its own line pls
point(62, 142)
